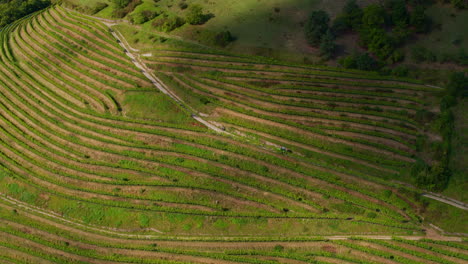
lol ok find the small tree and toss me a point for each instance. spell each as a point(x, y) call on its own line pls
point(327, 45)
point(400, 16)
point(460, 4)
point(121, 3)
point(195, 15)
point(373, 16)
point(419, 20)
point(316, 27)
point(353, 14)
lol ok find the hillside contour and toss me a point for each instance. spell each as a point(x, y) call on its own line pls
point(173, 155)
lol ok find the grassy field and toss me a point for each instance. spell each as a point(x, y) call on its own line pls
point(98, 166)
point(449, 36)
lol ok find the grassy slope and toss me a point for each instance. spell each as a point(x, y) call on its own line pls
point(45, 136)
point(458, 183)
point(450, 34)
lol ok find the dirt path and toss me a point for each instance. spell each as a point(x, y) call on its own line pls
point(446, 200)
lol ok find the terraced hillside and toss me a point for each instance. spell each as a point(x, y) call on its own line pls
point(103, 161)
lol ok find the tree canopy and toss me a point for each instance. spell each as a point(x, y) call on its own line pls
point(16, 9)
point(316, 27)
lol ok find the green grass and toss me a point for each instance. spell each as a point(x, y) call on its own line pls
point(153, 106)
point(447, 217)
point(459, 157)
point(449, 35)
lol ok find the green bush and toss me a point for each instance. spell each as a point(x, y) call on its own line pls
point(167, 24)
point(142, 17)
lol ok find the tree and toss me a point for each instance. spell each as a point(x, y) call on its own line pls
point(121, 3)
point(460, 4)
point(340, 25)
point(195, 15)
point(15, 9)
point(377, 41)
point(353, 14)
point(359, 61)
point(419, 20)
point(316, 27)
point(365, 62)
point(327, 45)
point(373, 16)
point(399, 14)
point(458, 84)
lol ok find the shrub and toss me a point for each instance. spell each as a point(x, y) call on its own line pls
point(122, 11)
point(460, 4)
point(421, 54)
point(183, 5)
point(142, 17)
point(99, 7)
point(168, 24)
point(120, 3)
point(278, 248)
point(211, 38)
point(419, 20)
